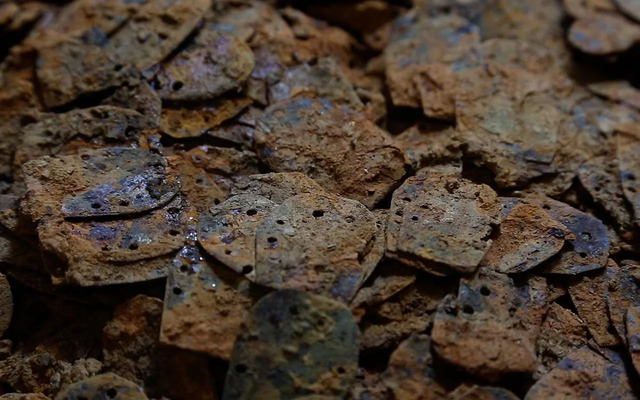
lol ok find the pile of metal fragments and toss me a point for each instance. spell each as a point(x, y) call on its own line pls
point(319, 200)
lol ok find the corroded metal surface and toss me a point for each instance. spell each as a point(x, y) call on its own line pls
point(441, 223)
point(341, 150)
point(277, 355)
point(103, 386)
point(204, 305)
point(316, 242)
point(356, 200)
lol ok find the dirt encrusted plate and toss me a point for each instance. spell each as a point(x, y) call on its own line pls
point(427, 144)
point(109, 216)
point(56, 134)
point(340, 149)
point(512, 120)
point(526, 237)
point(628, 147)
point(204, 305)
point(317, 242)
point(603, 33)
point(277, 187)
point(228, 231)
point(411, 310)
point(214, 63)
point(423, 56)
point(356, 200)
point(589, 247)
point(325, 79)
point(100, 183)
point(118, 251)
point(103, 386)
point(410, 373)
point(441, 223)
point(130, 340)
point(192, 120)
point(294, 344)
point(93, 61)
point(632, 325)
point(623, 294)
point(491, 329)
point(600, 177)
point(588, 294)
point(584, 374)
point(561, 333)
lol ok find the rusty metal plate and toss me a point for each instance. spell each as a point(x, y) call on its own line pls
point(409, 311)
point(190, 120)
point(277, 186)
point(342, 151)
point(377, 248)
point(512, 120)
point(423, 56)
point(130, 340)
point(494, 314)
point(526, 237)
point(603, 34)
point(95, 61)
point(317, 242)
point(101, 253)
point(588, 250)
point(584, 374)
point(325, 79)
point(410, 374)
point(76, 66)
point(198, 187)
point(588, 294)
point(370, 19)
point(80, 16)
point(600, 177)
point(225, 163)
point(632, 325)
point(102, 387)
point(228, 231)
point(268, 35)
point(236, 133)
point(212, 64)
point(628, 148)
point(24, 396)
point(10, 137)
point(538, 21)
point(133, 239)
point(622, 294)
point(156, 30)
point(618, 91)
point(204, 305)
point(293, 344)
point(561, 333)
point(530, 56)
point(257, 23)
point(426, 144)
point(137, 95)
point(107, 182)
point(53, 132)
point(316, 39)
point(387, 280)
point(441, 223)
